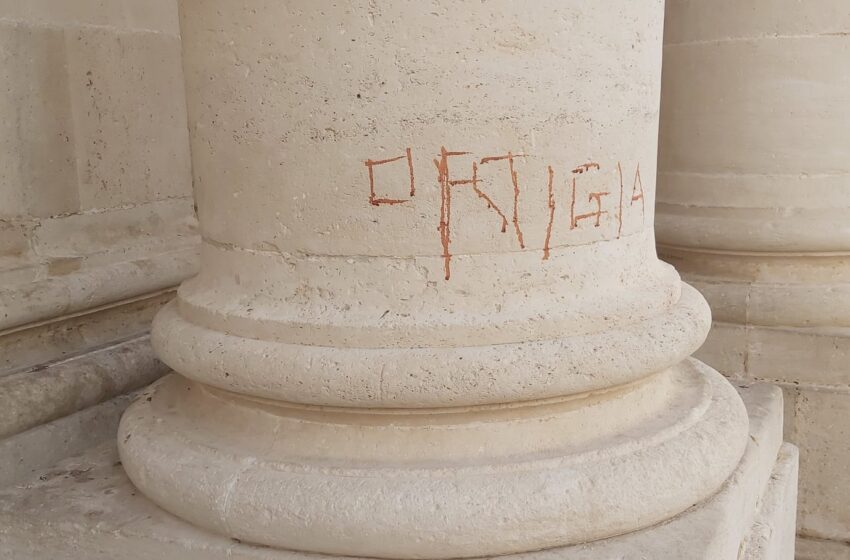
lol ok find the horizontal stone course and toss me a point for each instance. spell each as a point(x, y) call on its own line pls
point(152, 16)
point(31, 398)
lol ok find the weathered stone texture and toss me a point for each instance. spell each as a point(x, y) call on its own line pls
point(94, 162)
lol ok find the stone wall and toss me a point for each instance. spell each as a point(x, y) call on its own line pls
point(96, 215)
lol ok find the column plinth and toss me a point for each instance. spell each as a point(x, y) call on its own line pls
point(430, 321)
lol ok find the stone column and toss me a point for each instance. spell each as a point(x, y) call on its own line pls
point(430, 321)
point(754, 210)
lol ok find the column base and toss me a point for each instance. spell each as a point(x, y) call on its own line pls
point(86, 508)
point(435, 483)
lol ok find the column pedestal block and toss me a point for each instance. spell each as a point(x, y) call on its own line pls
point(450, 483)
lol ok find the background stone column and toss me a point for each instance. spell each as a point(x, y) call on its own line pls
point(754, 210)
point(430, 321)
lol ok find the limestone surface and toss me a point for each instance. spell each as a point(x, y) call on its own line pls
point(430, 321)
point(754, 211)
point(95, 184)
